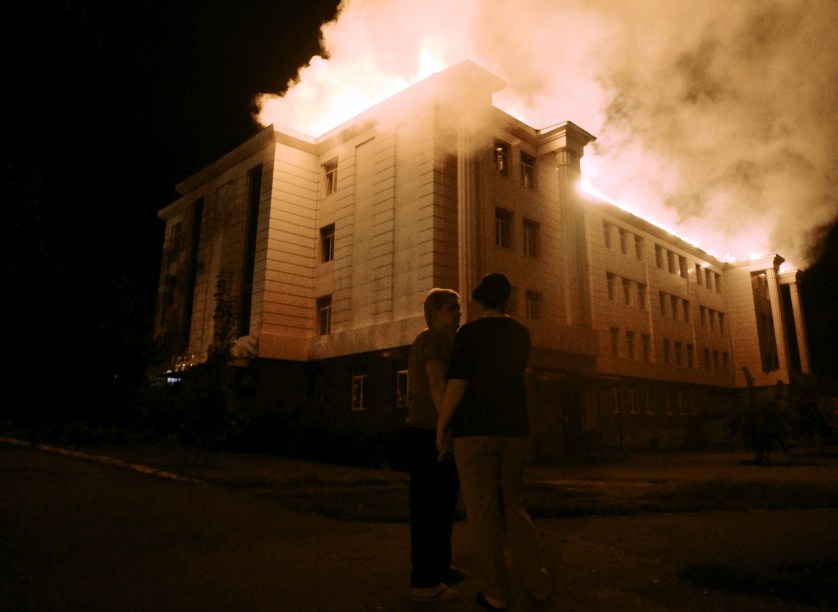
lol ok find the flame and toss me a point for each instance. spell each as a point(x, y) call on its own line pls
point(714, 118)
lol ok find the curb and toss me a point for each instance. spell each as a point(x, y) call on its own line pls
point(101, 459)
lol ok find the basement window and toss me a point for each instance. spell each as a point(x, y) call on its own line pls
point(359, 392)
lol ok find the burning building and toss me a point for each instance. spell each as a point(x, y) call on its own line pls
point(328, 246)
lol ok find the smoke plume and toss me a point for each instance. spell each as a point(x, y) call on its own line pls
point(716, 118)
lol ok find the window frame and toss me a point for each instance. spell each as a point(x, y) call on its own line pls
point(324, 307)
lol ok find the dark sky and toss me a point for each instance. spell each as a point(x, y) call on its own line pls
point(112, 104)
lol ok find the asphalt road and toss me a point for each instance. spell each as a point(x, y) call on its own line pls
point(77, 535)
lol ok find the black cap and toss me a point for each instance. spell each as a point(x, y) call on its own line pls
point(493, 291)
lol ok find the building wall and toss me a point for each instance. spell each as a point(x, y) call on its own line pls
point(637, 334)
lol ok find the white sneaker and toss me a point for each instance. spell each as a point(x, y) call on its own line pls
point(440, 592)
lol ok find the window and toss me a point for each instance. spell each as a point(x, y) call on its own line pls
point(324, 314)
point(359, 392)
point(671, 259)
point(712, 319)
point(624, 241)
point(627, 292)
point(690, 356)
point(612, 286)
point(682, 266)
point(674, 299)
point(500, 157)
point(659, 256)
point(678, 353)
point(531, 232)
point(686, 305)
point(706, 359)
point(615, 342)
point(666, 351)
point(606, 234)
point(638, 248)
point(533, 305)
point(718, 279)
point(708, 278)
point(331, 170)
point(527, 170)
point(698, 273)
point(402, 389)
point(641, 296)
point(662, 300)
point(725, 364)
point(503, 228)
point(716, 360)
point(327, 242)
point(646, 343)
point(703, 313)
point(630, 344)
point(722, 322)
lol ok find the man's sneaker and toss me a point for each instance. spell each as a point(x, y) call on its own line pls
point(456, 576)
point(440, 592)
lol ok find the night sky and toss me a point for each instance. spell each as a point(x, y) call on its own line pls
point(112, 104)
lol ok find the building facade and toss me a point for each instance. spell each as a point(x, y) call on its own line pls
point(327, 247)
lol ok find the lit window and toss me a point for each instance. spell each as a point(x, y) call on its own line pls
point(503, 228)
point(359, 392)
point(500, 156)
point(327, 242)
point(324, 314)
point(533, 305)
point(531, 232)
point(331, 170)
point(527, 170)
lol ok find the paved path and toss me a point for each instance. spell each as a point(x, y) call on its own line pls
point(79, 535)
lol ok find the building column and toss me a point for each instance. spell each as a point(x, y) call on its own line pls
point(468, 214)
point(777, 317)
point(567, 141)
point(790, 279)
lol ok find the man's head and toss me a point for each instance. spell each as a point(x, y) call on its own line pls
point(442, 308)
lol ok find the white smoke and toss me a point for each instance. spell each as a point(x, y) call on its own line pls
point(715, 118)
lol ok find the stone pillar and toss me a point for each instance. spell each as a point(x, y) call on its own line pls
point(777, 318)
point(790, 279)
point(468, 216)
point(567, 144)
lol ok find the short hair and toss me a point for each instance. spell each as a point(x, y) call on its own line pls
point(436, 298)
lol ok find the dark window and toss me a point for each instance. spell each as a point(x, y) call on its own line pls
point(327, 242)
point(606, 234)
point(500, 156)
point(638, 248)
point(534, 305)
point(402, 389)
point(503, 227)
point(531, 234)
point(359, 392)
point(324, 314)
point(331, 171)
point(527, 170)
